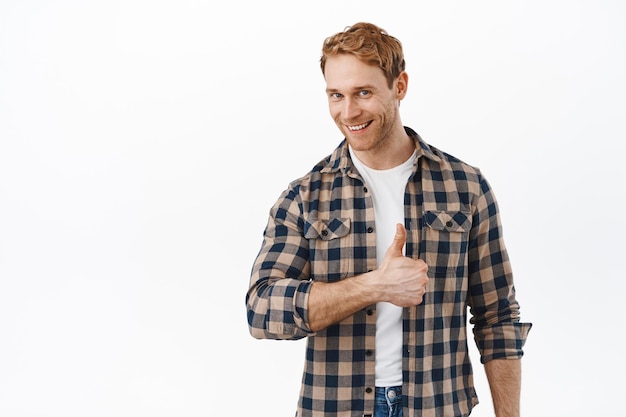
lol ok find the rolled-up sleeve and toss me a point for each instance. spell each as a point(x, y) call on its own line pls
point(498, 331)
point(502, 340)
point(277, 298)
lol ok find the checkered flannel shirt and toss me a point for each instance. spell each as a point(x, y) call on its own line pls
point(322, 229)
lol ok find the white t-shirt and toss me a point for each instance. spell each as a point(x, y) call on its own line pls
point(387, 188)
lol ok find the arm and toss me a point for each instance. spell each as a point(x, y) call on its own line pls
point(282, 308)
point(398, 280)
point(505, 381)
point(283, 302)
point(498, 332)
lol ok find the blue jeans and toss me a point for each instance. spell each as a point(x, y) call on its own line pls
point(388, 402)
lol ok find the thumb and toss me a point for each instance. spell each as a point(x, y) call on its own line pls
point(398, 242)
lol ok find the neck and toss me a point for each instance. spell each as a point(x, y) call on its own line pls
point(394, 152)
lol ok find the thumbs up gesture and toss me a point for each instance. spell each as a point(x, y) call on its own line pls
point(401, 280)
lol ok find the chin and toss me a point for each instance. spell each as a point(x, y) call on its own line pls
point(359, 145)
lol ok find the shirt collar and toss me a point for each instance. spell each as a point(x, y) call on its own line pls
point(340, 158)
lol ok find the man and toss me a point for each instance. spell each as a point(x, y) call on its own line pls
point(376, 254)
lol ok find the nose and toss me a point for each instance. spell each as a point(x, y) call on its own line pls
point(350, 109)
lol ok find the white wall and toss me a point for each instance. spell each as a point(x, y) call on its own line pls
point(143, 142)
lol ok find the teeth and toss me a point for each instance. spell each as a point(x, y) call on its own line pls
point(358, 127)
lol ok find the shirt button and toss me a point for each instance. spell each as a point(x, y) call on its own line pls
point(324, 232)
point(368, 390)
point(370, 229)
point(449, 223)
point(368, 353)
point(369, 311)
point(365, 189)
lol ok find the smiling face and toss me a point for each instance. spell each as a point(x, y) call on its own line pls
point(363, 106)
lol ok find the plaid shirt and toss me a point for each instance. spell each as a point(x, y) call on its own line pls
point(322, 229)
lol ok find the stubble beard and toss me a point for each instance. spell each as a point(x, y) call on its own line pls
point(377, 139)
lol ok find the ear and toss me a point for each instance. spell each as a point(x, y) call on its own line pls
point(402, 84)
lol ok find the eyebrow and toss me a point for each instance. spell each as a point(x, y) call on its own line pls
point(359, 88)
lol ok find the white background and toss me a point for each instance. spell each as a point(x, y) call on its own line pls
point(143, 142)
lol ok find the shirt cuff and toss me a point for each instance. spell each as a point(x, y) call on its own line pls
point(501, 340)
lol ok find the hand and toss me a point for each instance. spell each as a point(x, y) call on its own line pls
point(403, 280)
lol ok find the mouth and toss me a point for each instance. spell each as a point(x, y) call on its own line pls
point(357, 128)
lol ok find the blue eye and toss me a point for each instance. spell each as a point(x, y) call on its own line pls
point(364, 93)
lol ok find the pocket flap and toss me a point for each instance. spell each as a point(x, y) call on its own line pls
point(450, 221)
point(327, 229)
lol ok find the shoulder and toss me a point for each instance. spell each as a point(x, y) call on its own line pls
point(328, 167)
point(437, 164)
point(459, 167)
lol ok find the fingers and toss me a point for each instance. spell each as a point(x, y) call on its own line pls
point(397, 246)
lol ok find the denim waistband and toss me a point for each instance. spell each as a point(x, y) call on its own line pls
point(389, 394)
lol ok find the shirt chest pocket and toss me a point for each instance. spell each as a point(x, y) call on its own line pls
point(446, 241)
point(330, 248)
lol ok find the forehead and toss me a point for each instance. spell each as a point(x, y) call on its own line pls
point(345, 72)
